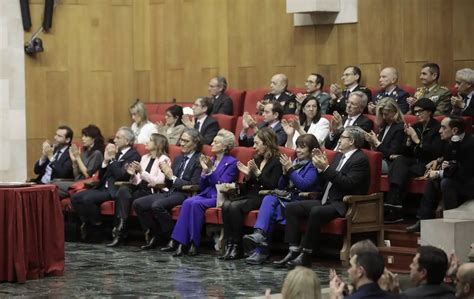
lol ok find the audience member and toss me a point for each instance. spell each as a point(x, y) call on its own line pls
point(422, 146)
point(351, 80)
point(154, 211)
point(365, 270)
point(116, 157)
point(298, 176)
point(144, 176)
point(272, 114)
point(221, 169)
point(388, 88)
point(301, 283)
point(261, 173)
point(173, 126)
point(222, 103)
point(455, 179)
point(391, 134)
point(55, 161)
point(279, 93)
point(310, 121)
point(427, 272)
point(87, 163)
point(465, 281)
point(142, 128)
point(463, 103)
point(440, 95)
point(356, 104)
point(205, 124)
point(349, 173)
point(314, 88)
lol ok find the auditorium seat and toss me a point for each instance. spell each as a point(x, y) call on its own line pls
point(374, 90)
point(238, 126)
point(226, 121)
point(297, 90)
point(251, 99)
point(237, 97)
point(410, 89)
point(155, 118)
point(160, 108)
point(141, 149)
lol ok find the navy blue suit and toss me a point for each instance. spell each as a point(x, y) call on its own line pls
point(398, 94)
point(278, 129)
point(371, 290)
point(61, 168)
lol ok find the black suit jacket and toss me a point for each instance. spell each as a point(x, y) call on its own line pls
point(222, 105)
point(352, 179)
point(362, 121)
point(430, 291)
point(340, 104)
point(191, 174)
point(61, 168)
point(431, 146)
point(393, 142)
point(469, 111)
point(209, 130)
point(278, 129)
point(398, 94)
point(461, 160)
point(287, 99)
point(116, 171)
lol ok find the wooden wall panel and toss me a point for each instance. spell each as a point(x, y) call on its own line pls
point(100, 55)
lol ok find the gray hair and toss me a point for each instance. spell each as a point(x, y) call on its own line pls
point(357, 135)
point(195, 137)
point(466, 75)
point(363, 97)
point(227, 139)
point(221, 82)
point(128, 134)
point(139, 108)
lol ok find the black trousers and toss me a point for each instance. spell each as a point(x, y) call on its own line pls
point(87, 204)
point(125, 196)
point(233, 213)
point(401, 170)
point(154, 211)
point(453, 192)
point(315, 215)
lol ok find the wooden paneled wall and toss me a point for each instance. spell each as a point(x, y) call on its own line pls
point(100, 55)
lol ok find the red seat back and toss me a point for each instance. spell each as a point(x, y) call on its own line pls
point(140, 148)
point(410, 119)
point(291, 153)
point(297, 90)
point(467, 122)
point(373, 118)
point(154, 118)
point(206, 150)
point(242, 154)
point(327, 116)
point(289, 116)
point(151, 108)
point(251, 99)
point(226, 121)
point(238, 126)
point(374, 90)
point(411, 90)
point(237, 97)
point(453, 90)
point(174, 151)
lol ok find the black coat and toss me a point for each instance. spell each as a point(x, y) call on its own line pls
point(362, 122)
point(222, 105)
point(61, 168)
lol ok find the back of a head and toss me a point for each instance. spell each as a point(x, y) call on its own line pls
point(435, 262)
point(363, 246)
point(373, 264)
point(301, 283)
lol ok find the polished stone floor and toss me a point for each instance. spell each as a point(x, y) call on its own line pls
point(94, 270)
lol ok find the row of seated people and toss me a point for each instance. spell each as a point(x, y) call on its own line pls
point(334, 98)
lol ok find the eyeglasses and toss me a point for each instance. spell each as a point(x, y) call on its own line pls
point(418, 111)
point(184, 140)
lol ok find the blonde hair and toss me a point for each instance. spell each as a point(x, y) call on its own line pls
point(139, 108)
point(301, 283)
point(390, 105)
point(227, 139)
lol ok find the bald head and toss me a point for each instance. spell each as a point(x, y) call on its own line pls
point(465, 277)
point(388, 78)
point(278, 84)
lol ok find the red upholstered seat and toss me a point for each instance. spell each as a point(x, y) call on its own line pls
point(374, 90)
point(251, 99)
point(415, 186)
point(251, 218)
point(287, 151)
point(410, 89)
point(237, 97)
point(297, 90)
point(242, 154)
point(175, 212)
point(238, 126)
point(373, 119)
point(141, 149)
point(206, 150)
point(155, 118)
point(226, 121)
point(336, 227)
point(107, 208)
point(151, 108)
point(174, 151)
point(212, 216)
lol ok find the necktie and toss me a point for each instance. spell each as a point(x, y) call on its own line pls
point(197, 125)
point(46, 179)
point(346, 93)
point(348, 122)
point(328, 187)
point(181, 167)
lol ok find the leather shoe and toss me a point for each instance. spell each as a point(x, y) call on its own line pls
point(115, 242)
point(304, 259)
point(179, 251)
point(415, 228)
point(228, 249)
point(170, 247)
point(150, 244)
point(256, 258)
point(234, 253)
point(257, 239)
point(192, 251)
point(289, 257)
point(83, 230)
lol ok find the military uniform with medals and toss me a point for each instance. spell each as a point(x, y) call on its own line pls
point(398, 94)
point(440, 95)
point(287, 100)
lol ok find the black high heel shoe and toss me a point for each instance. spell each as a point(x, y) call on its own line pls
point(228, 249)
point(179, 251)
point(192, 251)
point(172, 245)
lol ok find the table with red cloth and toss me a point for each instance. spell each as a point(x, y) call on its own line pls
point(31, 233)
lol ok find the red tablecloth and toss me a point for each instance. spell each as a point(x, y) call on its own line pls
point(31, 233)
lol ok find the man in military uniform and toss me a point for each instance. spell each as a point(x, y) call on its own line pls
point(351, 80)
point(279, 93)
point(440, 95)
point(388, 83)
point(463, 103)
point(314, 87)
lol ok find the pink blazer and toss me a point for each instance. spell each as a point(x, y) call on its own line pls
point(155, 176)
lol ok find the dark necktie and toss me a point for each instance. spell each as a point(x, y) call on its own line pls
point(197, 125)
point(346, 93)
point(181, 167)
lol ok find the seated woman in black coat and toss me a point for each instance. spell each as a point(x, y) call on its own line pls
point(261, 173)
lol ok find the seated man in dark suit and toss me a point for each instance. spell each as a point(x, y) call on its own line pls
point(279, 93)
point(154, 211)
point(388, 88)
point(365, 270)
point(116, 157)
point(272, 114)
point(455, 179)
point(206, 125)
point(222, 103)
point(356, 104)
point(351, 80)
point(463, 103)
point(427, 272)
point(55, 162)
point(349, 173)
